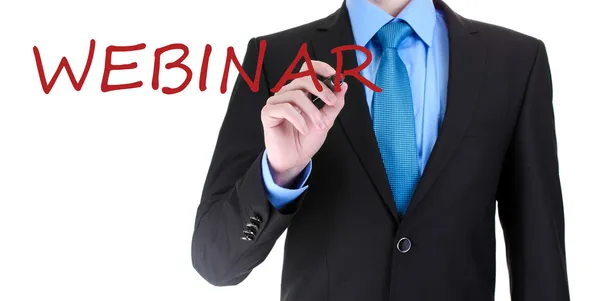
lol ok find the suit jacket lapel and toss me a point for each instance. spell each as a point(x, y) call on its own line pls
point(354, 118)
point(466, 65)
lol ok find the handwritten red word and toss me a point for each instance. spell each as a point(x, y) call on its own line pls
point(231, 57)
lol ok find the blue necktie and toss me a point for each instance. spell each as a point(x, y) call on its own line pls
point(393, 116)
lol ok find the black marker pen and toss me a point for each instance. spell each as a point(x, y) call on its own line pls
point(329, 82)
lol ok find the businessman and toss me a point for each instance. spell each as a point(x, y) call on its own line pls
point(391, 195)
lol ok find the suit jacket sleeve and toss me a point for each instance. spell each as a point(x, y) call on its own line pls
point(234, 191)
point(530, 199)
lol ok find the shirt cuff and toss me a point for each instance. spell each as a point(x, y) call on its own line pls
point(280, 196)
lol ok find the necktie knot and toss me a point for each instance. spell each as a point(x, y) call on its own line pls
point(391, 35)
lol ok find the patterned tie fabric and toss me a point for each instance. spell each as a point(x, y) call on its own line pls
point(393, 116)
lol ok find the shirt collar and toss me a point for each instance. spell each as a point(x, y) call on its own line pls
point(367, 18)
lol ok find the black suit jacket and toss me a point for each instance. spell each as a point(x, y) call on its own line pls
point(497, 144)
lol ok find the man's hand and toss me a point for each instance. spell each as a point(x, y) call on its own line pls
point(294, 128)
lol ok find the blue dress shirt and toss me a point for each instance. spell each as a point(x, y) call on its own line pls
point(425, 55)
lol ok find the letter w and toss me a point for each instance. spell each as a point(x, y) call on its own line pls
point(64, 63)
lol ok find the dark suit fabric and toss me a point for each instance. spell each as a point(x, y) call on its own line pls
point(496, 146)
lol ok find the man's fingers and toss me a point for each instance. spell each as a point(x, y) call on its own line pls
point(321, 68)
point(330, 113)
point(275, 114)
point(306, 84)
point(302, 102)
point(293, 97)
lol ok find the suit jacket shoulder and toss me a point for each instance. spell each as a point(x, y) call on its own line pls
point(506, 44)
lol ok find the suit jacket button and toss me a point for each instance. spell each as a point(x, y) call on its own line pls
point(251, 226)
point(403, 245)
point(256, 219)
point(249, 235)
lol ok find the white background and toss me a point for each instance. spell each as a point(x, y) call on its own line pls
point(98, 191)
